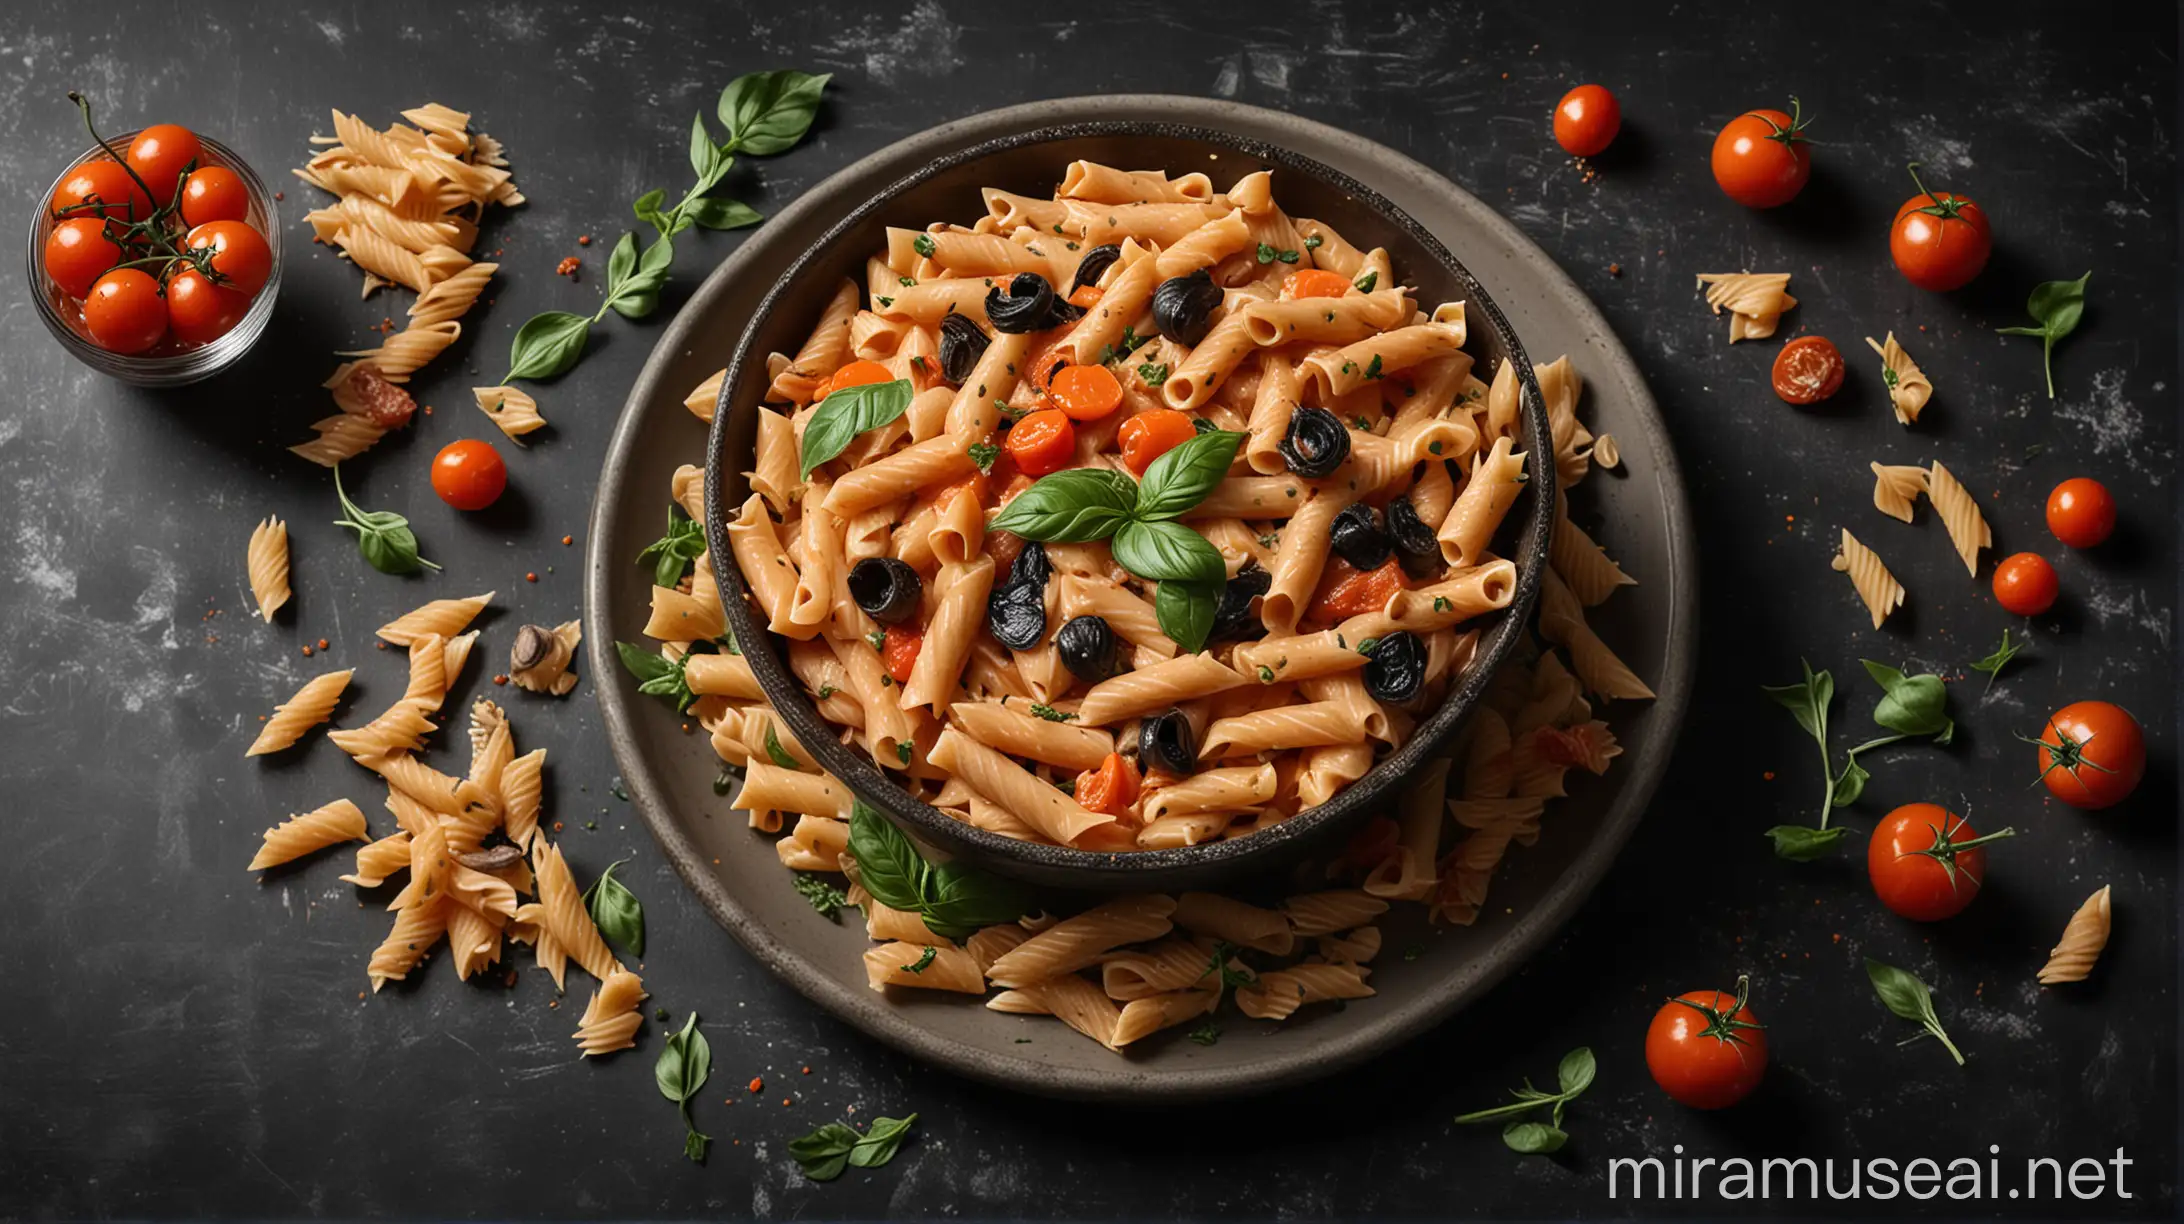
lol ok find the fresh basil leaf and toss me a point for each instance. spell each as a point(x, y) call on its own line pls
point(1808, 701)
point(1851, 784)
point(615, 911)
point(1182, 477)
point(768, 112)
point(1994, 663)
point(1912, 705)
point(673, 553)
point(643, 664)
point(1903, 993)
point(879, 1144)
point(888, 865)
point(848, 412)
point(703, 156)
point(383, 538)
point(1068, 507)
point(685, 1062)
point(1164, 551)
point(775, 752)
point(621, 262)
point(1533, 1138)
point(2057, 306)
point(716, 213)
point(1575, 1074)
point(824, 1153)
point(647, 208)
point(956, 899)
point(1185, 610)
point(1800, 844)
point(547, 346)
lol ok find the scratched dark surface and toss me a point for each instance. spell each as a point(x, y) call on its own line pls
point(182, 1039)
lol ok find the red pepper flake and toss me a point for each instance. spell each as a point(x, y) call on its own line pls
point(501, 679)
point(568, 266)
point(757, 1084)
point(381, 645)
point(280, 195)
point(322, 643)
point(568, 539)
point(807, 1070)
point(532, 576)
point(557, 829)
point(1769, 775)
point(307, 652)
point(1615, 269)
point(583, 240)
point(784, 1101)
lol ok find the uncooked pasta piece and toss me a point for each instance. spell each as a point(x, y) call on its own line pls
point(1755, 301)
point(446, 617)
point(611, 1018)
point(416, 929)
point(1876, 587)
point(1908, 386)
point(2083, 938)
point(513, 410)
point(1896, 488)
point(267, 560)
point(313, 704)
point(317, 829)
point(1278, 993)
point(378, 860)
point(1968, 529)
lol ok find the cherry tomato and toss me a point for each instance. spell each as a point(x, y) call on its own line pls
point(1807, 370)
point(161, 154)
point(123, 311)
point(107, 182)
point(198, 311)
point(2092, 755)
point(899, 652)
point(1315, 283)
point(1151, 434)
point(1939, 241)
point(1111, 788)
point(1925, 861)
point(855, 374)
point(1086, 296)
point(1085, 393)
point(1043, 442)
point(2081, 512)
point(1761, 159)
point(1345, 591)
point(1706, 1049)
point(240, 254)
point(214, 193)
point(77, 252)
point(1586, 120)
point(2026, 584)
point(468, 474)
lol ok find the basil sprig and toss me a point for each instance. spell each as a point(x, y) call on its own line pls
point(2056, 306)
point(844, 414)
point(615, 911)
point(953, 899)
point(1908, 997)
point(1909, 706)
point(685, 1062)
point(672, 554)
point(658, 677)
point(1994, 663)
point(826, 1152)
point(1572, 1077)
point(765, 113)
point(1137, 518)
point(382, 536)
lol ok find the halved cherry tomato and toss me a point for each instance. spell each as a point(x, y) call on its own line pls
point(1085, 393)
point(1925, 861)
point(1939, 241)
point(855, 374)
point(1086, 296)
point(2081, 512)
point(1586, 120)
point(78, 252)
point(1706, 1049)
point(899, 653)
point(1151, 434)
point(214, 193)
point(1761, 159)
point(1807, 370)
point(1043, 442)
point(160, 155)
point(2026, 584)
point(469, 474)
point(1315, 283)
point(107, 182)
point(1345, 591)
point(198, 311)
point(1111, 788)
point(123, 311)
point(240, 254)
point(2092, 755)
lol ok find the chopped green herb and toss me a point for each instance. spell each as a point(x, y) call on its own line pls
point(1367, 646)
point(1050, 713)
point(1994, 663)
point(885, 301)
point(1366, 282)
point(924, 959)
point(902, 753)
point(826, 691)
point(824, 896)
point(876, 639)
point(906, 280)
point(983, 454)
point(1266, 674)
point(1372, 370)
point(1153, 373)
point(1441, 603)
point(1206, 1034)
point(923, 245)
point(1313, 243)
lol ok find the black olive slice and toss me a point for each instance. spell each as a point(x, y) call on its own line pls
point(886, 588)
point(1016, 616)
point(1027, 307)
point(1397, 668)
point(1409, 533)
point(1087, 647)
point(962, 343)
point(1183, 307)
point(1031, 567)
point(1166, 741)
point(1094, 265)
point(1316, 444)
point(1233, 617)
point(1358, 539)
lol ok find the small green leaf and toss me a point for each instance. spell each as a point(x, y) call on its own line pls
point(878, 1145)
point(769, 112)
point(715, 213)
point(1575, 1074)
point(1069, 507)
point(1911, 705)
point(983, 455)
point(647, 208)
point(673, 553)
point(1186, 610)
point(1994, 663)
point(2057, 306)
point(1533, 1138)
point(1851, 784)
point(823, 896)
point(824, 1153)
point(615, 911)
point(1808, 701)
point(1800, 844)
point(1165, 551)
point(848, 412)
point(622, 262)
point(383, 538)
point(702, 153)
point(1182, 476)
point(888, 865)
point(685, 1062)
point(775, 752)
point(547, 346)
point(1366, 282)
point(642, 663)
point(1908, 997)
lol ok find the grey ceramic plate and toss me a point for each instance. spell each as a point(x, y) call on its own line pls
point(1639, 514)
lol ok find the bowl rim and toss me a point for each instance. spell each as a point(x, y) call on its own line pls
point(1140, 869)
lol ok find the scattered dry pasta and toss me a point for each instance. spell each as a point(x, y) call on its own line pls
point(1968, 528)
point(445, 617)
point(1755, 301)
point(1877, 588)
point(1896, 488)
point(1908, 387)
point(2083, 938)
point(611, 1018)
point(267, 561)
point(313, 704)
point(297, 836)
point(513, 410)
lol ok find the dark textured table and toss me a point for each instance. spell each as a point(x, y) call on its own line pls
point(184, 1040)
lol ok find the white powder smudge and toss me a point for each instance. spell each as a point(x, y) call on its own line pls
point(332, 32)
point(2109, 600)
point(1988, 1020)
point(924, 43)
point(41, 564)
point(1271, 69)
point(1232, 75)
point(1923, 139)
point(2113, 422)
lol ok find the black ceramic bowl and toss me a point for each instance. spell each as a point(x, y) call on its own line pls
point(1032, 163)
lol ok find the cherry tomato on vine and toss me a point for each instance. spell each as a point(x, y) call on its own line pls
point(1706, 1049)
point(77, 252)
point(2092, 754)
point(107, 182)
point(1586, 120)
point(2081, 512)
point(123, 312)
point(198, 311)
point(2026, 584)
point(214, 193)
point(1926, 862)
point(240, 254)
point(1807, 370)
point(1761, 159)
point(468, 474)
point(160, 154)
point(1939, 241)
point(1043, 442)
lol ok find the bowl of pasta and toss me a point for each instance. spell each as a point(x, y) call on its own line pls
point(1118, 530)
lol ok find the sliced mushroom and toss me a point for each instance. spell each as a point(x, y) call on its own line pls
point(492, 858)
point(541, 658)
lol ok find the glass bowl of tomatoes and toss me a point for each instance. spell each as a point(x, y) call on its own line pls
point(155, 257)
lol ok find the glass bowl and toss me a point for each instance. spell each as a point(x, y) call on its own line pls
point(63, 317)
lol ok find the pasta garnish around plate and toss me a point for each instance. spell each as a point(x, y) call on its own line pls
point(267, 561)
point(1756, 301)
point(1134, 523)
point(1876, 587)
